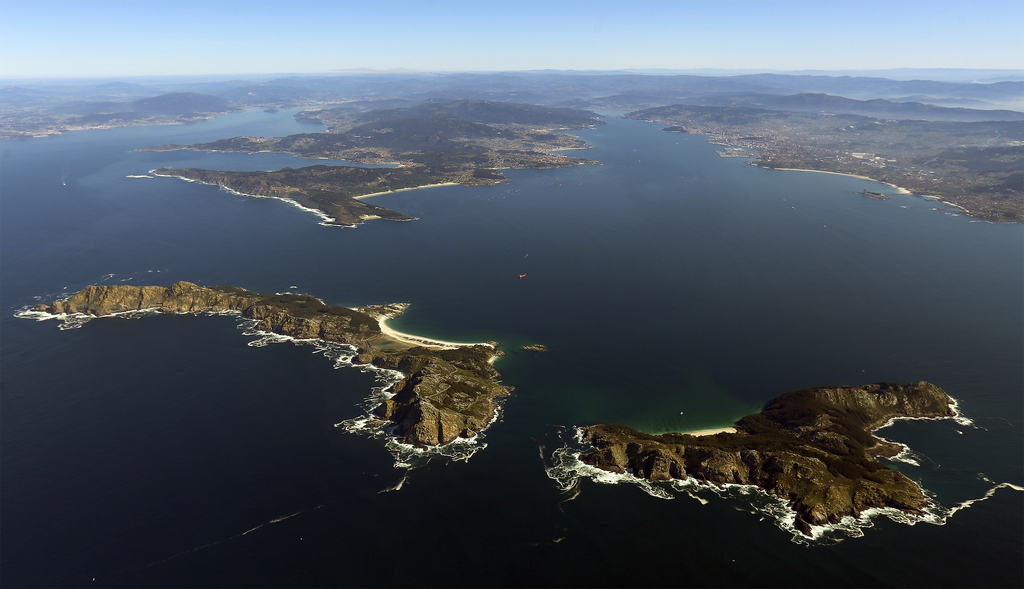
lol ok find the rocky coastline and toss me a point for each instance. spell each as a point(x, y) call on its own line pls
point(813, 448)
point(445, 394)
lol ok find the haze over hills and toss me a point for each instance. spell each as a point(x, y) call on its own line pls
point(839, 105)
point(552, 89)
point(463, 127)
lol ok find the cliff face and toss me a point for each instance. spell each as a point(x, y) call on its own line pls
point(811, 447)
point(445, 395)
point(331, 329)
point(298, 316)
point(181, 297)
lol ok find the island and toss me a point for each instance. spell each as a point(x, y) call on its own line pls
point(464, 142)
point(448, 391)
point(974, 165)
point(812, 448)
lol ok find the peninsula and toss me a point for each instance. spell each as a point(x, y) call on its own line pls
point(465, 142)
point(813, 448)
point(977, 166)
point(449, 391)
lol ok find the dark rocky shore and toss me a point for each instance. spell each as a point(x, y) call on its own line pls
point(813, 448)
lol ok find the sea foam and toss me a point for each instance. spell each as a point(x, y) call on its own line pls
point(405, 455)
point(325, 219)
point(568, 472)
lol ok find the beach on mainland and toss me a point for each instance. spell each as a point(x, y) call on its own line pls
point(899, 188)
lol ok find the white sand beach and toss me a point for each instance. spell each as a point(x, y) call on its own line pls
point(900, 189)
point(415, 340)
point(404, 189)
point(709, 432)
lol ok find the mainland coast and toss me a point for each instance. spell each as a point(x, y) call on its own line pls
point(899, 188)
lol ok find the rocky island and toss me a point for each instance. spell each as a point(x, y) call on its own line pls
point(813, 448)
point(449, 391)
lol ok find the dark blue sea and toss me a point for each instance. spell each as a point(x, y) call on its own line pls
point(675, 290)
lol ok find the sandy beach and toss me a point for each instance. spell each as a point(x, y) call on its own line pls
point(415, 340)
point(901, 190)
point(404, 189)
point(709, 432)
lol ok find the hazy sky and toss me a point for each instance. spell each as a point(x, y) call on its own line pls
point(84, 38)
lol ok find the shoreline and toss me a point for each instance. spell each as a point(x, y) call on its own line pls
point(325, 219)
point(405, 189)
point(899, 188)
point(425, 342)
point(712, 431)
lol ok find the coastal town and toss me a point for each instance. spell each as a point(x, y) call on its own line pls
point(973, 166)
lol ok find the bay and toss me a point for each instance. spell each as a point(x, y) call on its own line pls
point(675, 290)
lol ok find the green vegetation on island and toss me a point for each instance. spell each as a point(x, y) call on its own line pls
point(331, 190)
point(812, 448)
point(977, 166)
point(429, 150)
point(446, 394)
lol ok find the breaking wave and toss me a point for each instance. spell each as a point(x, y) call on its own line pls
point(406, 456)
point(77, 320)
point(325, 219)
point(569, 473)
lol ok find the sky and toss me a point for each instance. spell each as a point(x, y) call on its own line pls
point(94, 38)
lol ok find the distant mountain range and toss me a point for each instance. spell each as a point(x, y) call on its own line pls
point(878, 108)
point(550, 89)
point(174, 103)
point(491, 113)
point(340, 100)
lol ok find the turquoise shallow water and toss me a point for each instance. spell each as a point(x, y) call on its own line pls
point(675, 290)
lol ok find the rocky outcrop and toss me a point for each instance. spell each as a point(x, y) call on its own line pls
point(812, 447)
point(446, 394)
point(180, 297)
point(340, 329)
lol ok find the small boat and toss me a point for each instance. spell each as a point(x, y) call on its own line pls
point(522, 275)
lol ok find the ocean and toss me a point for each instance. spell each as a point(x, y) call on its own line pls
point(675, 290)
